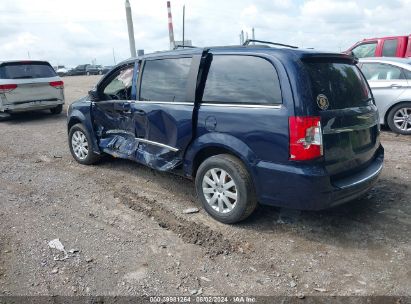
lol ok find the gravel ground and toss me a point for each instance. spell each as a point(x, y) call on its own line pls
point(124, 231)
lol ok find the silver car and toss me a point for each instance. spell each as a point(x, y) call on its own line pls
point(29, 85)
point(390, 82)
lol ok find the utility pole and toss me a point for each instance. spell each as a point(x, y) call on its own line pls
point(184, 12)
point(114, 57)
point(130, 29)
point(170, 26)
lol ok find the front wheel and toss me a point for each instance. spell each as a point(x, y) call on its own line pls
point(225, 189)
point(81, 145)
point(399, 118)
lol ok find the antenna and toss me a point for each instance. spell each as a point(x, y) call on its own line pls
point(269, 42)
point(184, 12)
point(170, 26)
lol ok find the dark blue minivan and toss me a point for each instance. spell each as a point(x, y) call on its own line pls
point(250, 124)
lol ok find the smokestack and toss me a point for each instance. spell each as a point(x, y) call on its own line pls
point(170, 26)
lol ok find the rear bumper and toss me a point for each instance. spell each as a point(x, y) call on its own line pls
point(30, 105)
point(310, 187)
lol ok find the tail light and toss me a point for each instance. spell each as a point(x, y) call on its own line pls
point(5, 88)
point(305, 137)
point(57, 84)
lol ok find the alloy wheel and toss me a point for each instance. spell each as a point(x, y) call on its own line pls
point(220, 190)
point(79, 144)
point(402, 119)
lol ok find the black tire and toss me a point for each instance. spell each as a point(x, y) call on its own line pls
point(57, 110)
point(390, 118)
point(246, 198)
point(91, 157)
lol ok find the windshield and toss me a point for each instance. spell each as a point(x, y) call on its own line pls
point(342, 84)
point(20, 70)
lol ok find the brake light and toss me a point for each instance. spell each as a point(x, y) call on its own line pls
point(5, 88)
point(305, 137)
point(57, 84)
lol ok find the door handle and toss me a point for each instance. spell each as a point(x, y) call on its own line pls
point(395, 86)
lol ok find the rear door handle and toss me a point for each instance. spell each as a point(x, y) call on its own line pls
point(395, 86)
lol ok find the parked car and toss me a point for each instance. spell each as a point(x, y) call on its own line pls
point(390, 82)
point(395, 46)
point(284, 127)
point(94, 70)
point(106, 69)
point(61, 70)
point(78, 70)
point(29, 85)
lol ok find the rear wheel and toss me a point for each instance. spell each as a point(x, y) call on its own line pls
point(225, 189)
point(399, 118)
point(81, 145)
point(57, 110)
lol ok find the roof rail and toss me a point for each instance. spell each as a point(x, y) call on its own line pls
point(247, 42)
point(184, 46)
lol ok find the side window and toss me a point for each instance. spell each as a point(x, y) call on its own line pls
point(165, 79)
point(380, 71)
point(242, 79)
point(407, 74)
point(120, 87)
point(365, 50)
point(389, 48)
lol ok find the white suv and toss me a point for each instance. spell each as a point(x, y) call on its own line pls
point(29, 85)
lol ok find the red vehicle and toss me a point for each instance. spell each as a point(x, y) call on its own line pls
point(395, 46)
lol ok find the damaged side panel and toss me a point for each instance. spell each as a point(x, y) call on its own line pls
point(129, 147)
point(124, 134)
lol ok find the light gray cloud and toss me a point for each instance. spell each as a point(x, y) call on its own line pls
point(78, 31)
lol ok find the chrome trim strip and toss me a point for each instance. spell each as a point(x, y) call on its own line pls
point(364, 179)
point(154, 143)
point(165, 102)
point(348, 129)
point(241, 105)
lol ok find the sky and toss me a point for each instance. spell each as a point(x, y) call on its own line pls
point(72, 32)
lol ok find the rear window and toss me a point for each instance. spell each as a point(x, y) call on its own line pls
point(342, 84)
point(26, 70)
point(242, 80)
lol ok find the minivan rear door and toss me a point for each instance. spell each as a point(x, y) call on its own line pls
point(349, 117)
point(31, 81)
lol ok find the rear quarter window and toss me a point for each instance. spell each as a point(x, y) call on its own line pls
point(237, 79)
point(26, 70)
point(342, 84)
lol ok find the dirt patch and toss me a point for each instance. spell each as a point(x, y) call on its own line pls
point(190, 232)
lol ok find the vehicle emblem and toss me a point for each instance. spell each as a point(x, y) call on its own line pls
point(322, 102)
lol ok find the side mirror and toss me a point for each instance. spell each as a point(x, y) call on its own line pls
point(93, 95)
